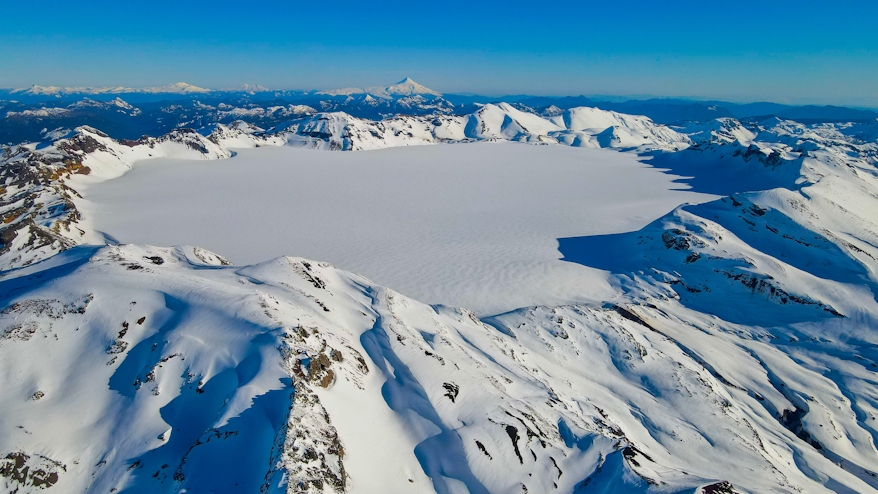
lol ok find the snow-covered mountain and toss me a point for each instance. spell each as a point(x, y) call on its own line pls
point(249, 88)
point(208, 364)
point(405, 87)
point(117, 105)
point(26, 112)
point(175, 88)
point(126, 120)
point(37, 203)
point(740, 357)
point(405, 97)
point(580, 127)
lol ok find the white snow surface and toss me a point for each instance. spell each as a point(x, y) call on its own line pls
point(183, 374)
point(44, 220)
point(470, 225)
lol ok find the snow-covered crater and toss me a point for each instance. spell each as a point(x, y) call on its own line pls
point(470, 225)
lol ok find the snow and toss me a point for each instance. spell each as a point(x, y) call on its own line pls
point(340, 131)
point(55, 134)
point(175, 88)
point(439, 223)
point(250, 88)
point(118, 102)
point(405, 87)
point(725, 346)
point(611, 129)
point(408, 87)
point(165, 361)
point(503, 120)
point(42, 112)
point(285, 111)
point(47, 222)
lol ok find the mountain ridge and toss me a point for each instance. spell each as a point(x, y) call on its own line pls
point(406, 97)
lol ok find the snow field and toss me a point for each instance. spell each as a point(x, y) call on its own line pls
point(470, 225)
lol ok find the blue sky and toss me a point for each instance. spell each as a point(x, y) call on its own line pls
point(792, 52)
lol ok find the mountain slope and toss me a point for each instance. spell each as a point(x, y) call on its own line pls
point(669, 395)
point(37, 204)
point(581, 127)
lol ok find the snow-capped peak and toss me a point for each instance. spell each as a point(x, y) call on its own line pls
point(122, 103)
point(251, 88)
point(408, 87)
point(405, 87)
point(176, 88)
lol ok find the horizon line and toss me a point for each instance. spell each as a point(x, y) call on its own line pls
point(80, 90)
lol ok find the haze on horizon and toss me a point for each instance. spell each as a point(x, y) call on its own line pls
point(805, 52)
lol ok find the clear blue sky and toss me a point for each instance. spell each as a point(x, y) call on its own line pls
point(793, 52)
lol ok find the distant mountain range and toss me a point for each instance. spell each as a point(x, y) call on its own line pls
point(27, 114)
point(55, 91)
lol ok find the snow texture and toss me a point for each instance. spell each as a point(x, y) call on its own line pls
point(438, 223)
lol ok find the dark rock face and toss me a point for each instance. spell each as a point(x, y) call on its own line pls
point(451, 391)
point(23, 470)
point(719, 488)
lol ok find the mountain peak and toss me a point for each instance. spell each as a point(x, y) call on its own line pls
point(405, 87)
point(178, 87)
point(408, 87)
point(252, 88)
